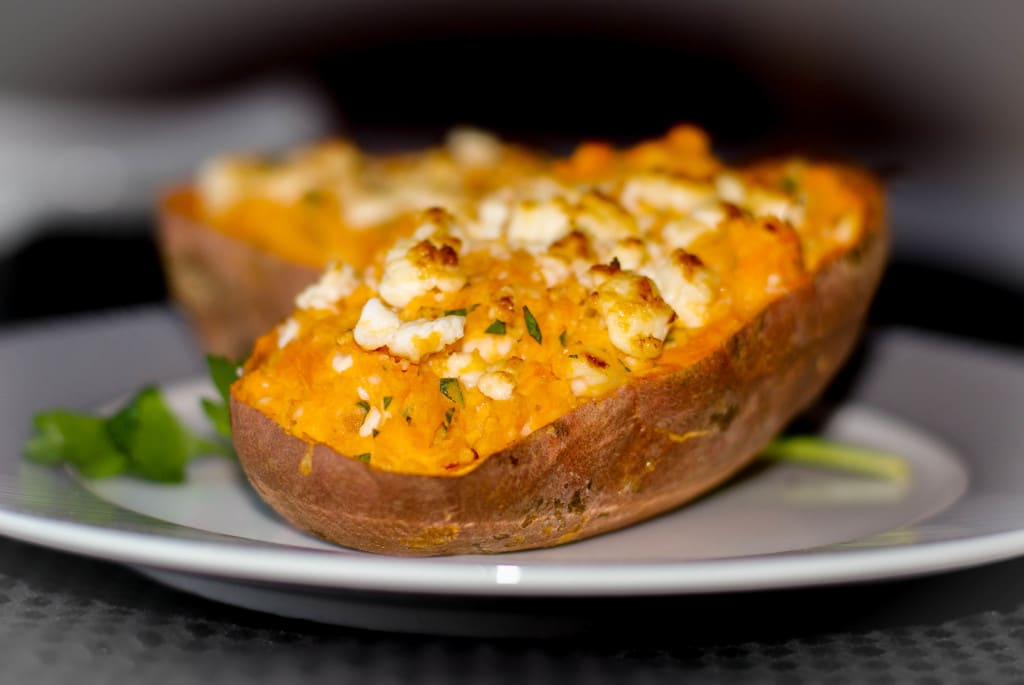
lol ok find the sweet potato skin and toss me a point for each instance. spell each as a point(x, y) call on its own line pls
point(230, 292)
point(646, 448)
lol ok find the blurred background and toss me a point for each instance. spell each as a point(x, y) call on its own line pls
point(103, 104)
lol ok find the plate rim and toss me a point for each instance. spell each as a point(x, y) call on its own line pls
point(230, 557)
point(325, 569)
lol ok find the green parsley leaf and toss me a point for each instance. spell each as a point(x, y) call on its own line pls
point(564, 338)
point(364, 405)
point(451, 389)
point(788, 184)
point(365, 456)
point(387, 401)
point(456, 312)
point(142, 439)
point(218, 414)
point(496, 328)
point(160, 446)
point(449, 415)
point(531, 325)
point(81, 441)
point(223, 372)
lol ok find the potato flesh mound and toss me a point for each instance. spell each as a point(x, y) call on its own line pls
point(466, 330)
point(316, 205)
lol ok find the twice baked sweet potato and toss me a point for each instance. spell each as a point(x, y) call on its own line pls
point(570, 372)
point(239, 242)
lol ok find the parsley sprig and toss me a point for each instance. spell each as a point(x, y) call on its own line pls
point(143, 438)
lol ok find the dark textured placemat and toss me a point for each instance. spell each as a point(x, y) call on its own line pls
point(67, 619)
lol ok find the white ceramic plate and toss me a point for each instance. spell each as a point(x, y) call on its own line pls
point(776, 527)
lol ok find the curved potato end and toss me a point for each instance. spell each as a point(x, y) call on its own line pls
point(231, 292)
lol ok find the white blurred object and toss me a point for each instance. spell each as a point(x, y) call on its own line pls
point(65, 156)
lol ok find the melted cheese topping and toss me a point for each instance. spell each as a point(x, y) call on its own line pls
point(492, 319)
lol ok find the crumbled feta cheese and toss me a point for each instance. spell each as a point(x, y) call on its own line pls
point(341, 362)
point(379, 327)
point(662, 192)
point(588, 375)
point(491, 348)
point(685, 284)
point(288, 331)
point(636, 316)
point(363, 210)
point(363, 395)
point(497, 385)
point(473, 147)
point(370, 423)
point(631, 253)
point(535, 225)
point(223, 181)
point(288, 184)
point(710, 215)
point(604, 219)
point(337, 282)
point(416, 339)
point(415, 268)
point(552, 269)
point(680, 233)
point(376, 325)
point(730, 188)
point(491, 216)
point(763, 203)
point(847, 228)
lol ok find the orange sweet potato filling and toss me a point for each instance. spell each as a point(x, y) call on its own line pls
point(432, 424)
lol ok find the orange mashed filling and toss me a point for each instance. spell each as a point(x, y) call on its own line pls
point(443, 348)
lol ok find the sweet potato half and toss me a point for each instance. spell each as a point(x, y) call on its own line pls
point(645, 448)
point(243, 237)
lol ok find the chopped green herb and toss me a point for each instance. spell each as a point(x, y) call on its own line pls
point(815, 451)
point(628, 370)
point(448, 415)
point(364, 405)
point(376, 432)
point(81, 441)
point(564, 338)
point(531, 325)
point(223, 372)
point(451, 389)
point(473, 308)
point(456, 312)
point(574, 356)
point(143, 439)
point(788, 184)
point(440, 434)
point(387, 401)
point(496, 328)
point(365, 456)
